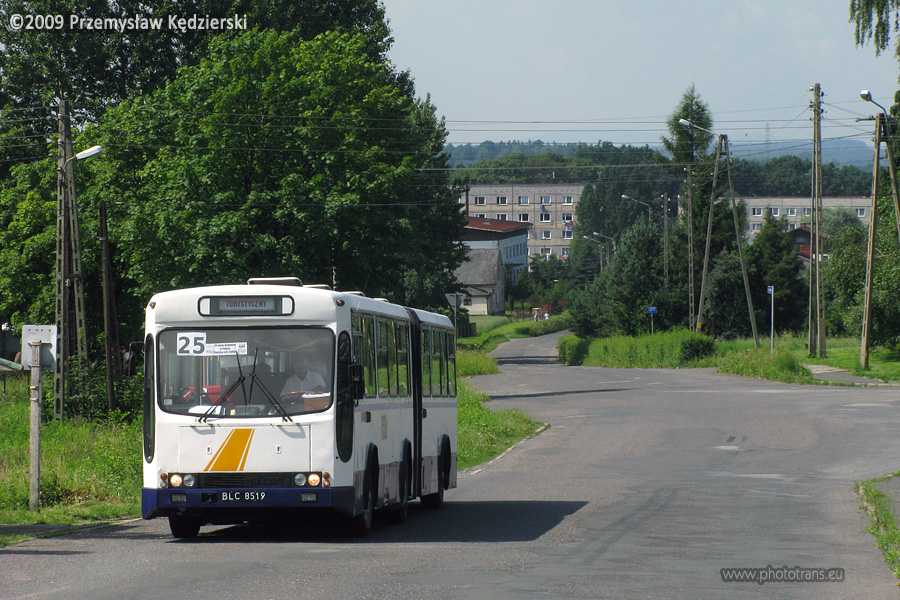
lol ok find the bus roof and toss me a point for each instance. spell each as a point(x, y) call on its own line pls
point(183, 304)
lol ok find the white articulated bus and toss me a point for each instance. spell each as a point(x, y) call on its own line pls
point(270, 400)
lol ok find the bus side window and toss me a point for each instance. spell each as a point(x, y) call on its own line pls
point(383, 360)
point(369, 356)
point(403, 358)
point(426, 362)
point(391, 331)
point(451, 364)
point(436, 371)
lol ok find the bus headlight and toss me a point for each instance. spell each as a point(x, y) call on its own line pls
point(314, 479)
point(300, 479)
point(180, 480)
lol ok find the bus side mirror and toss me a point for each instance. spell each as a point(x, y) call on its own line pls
point(357, 383)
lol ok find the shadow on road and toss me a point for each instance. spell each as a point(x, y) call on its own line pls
point(502, 521)
point(526, 360)
point(556, 394)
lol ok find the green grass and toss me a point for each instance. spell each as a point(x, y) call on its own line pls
point(740, 357)
point(843, 353)
point(89, 471)
point(675, 348)
point(474, 362)
point(882, 522)
point(487, 323)
point(484, 434)
point(761, 363)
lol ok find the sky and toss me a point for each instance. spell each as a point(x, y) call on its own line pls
point(614, 70)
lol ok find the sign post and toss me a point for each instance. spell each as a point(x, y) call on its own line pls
point(651, 310)
point(455, 300)
point(771, 291)
point(42, 341)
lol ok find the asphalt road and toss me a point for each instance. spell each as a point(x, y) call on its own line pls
point(646, 484)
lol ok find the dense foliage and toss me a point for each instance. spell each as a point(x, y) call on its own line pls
point(290, 150)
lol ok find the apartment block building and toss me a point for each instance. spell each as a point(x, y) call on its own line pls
point(550, 209)
point(797, 210)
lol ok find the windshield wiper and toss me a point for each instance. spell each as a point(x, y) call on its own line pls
point(240, 381)
point(209, 412)
point(270, 397)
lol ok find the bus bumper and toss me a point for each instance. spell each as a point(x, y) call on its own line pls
point(208, 502)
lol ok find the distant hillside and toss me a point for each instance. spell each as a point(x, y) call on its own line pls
point(855, 153)
point(465, 155)
point(840, 152)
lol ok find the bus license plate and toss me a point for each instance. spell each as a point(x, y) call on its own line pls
point(243, 496)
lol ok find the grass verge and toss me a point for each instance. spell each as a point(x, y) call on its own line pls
point(485, 434)
point(681, 348)
point(90, 472)
point(882, 522)
point(780, 365)
point(475, 362)
point(675, 348)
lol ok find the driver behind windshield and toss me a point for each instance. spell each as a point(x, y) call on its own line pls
point(303, 380)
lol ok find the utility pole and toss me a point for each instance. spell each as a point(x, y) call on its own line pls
point(70, 322)
point(739, 238)
point(709, 229)
point(690, 217)
point(882, 133)
point(722, 147)
point(665, 199)
point(110, 320)
point(817, 302)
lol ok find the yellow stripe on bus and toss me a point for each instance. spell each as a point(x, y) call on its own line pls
point(232, 454)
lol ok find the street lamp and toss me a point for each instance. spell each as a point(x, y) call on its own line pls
point(867, 96)
point(607, 237)
point(687, 123)
point(625, 197)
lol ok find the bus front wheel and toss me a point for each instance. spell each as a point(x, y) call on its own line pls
point(184, 527)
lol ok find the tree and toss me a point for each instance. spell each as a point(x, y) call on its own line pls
point(844, 278)
point(725, 313)
point(686, 144)
point(615, 302)
point(97, 68)
point(774, 261)
point(873, 21)
point(276, 156)
point(836, 219)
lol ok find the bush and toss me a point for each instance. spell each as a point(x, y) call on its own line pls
point(757, 362)
point(573, 350)
point(668, 349)
point(696, 347)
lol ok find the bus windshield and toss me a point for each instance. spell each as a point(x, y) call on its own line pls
point(245, 372)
